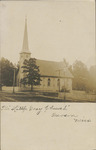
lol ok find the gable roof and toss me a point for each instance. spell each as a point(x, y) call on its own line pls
point(51, 68)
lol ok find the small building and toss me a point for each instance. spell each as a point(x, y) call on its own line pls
point(55, 76)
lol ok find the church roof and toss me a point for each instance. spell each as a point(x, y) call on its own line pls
point(53, 69)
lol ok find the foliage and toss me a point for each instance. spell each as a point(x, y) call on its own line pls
point(92, 78)
point(81, 75)
point(84, 78)
point(6, 72)
point(31, 73)
point(65, 62)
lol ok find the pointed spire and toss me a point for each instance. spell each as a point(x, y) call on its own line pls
point(25, 46)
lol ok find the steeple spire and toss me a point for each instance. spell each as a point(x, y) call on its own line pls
point(25, 46)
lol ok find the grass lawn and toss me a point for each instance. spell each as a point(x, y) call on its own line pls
point(35, 97)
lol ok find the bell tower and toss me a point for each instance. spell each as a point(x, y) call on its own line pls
point(25, 54)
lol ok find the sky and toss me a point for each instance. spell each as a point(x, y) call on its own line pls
point(56, 30)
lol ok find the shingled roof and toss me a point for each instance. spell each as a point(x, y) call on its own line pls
point(51, 69)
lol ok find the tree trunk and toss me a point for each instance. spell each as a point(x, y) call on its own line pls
point(31, 87)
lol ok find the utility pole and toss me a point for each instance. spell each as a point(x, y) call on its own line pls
point(59, 79)
point(0, 78)
point(59, 70)
point(14, 77)
point(64, 86)
point(14, 82)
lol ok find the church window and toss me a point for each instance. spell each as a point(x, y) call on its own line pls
point(48, 81)
point(58, 82)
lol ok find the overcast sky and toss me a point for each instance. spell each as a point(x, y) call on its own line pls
point(56, 30)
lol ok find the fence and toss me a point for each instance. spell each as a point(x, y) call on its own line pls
point(77, 95)
point(9, 88)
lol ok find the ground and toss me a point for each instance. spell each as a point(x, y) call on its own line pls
point(26, 97)
point(36, 97)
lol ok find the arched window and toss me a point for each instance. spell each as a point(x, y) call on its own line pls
point(43, 81)
point(48, 81)
point(58, 82)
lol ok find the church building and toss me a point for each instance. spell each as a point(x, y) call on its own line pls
point(55, 76)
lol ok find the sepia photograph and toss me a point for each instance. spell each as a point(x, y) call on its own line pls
point(47, 75)
point(47, 51)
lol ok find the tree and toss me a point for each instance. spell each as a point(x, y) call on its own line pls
point(31, 73)
point(84, 78)
point(6, 72)
point(81, 75)
point(92, 78)
point(65, 62)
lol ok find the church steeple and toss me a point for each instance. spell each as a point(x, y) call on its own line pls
point(24, 55)
point(25, 46)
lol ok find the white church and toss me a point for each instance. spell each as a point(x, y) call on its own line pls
point(55, 76)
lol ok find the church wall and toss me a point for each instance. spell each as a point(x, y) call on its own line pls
point(66, 83)
point(54, 84)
